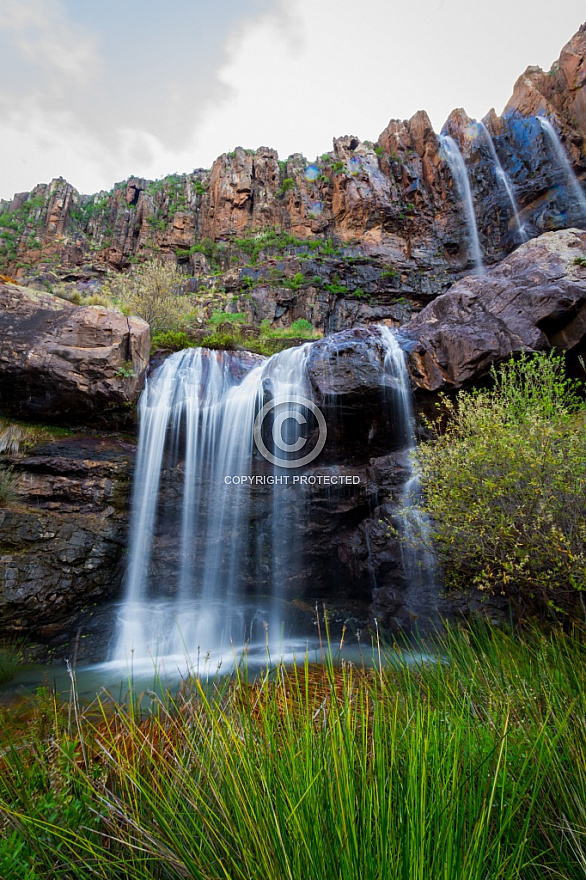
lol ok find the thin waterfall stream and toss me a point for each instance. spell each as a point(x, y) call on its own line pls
point(459, 171)
point(558, 151)
point(419, 564)
point(505, 180)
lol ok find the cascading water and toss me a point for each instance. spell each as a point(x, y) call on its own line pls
point(564, 163)
point(197, 418)
point(209, 556)
point(457, 165)
point(419, 563)
point(505, 180)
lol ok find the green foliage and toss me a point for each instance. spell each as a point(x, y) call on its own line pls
point(126, 371)
point(199, 187)
point(295, 281)
point(505, 484)
point(223, 341)
point(176, 340)
point(466, 766)
point(299, 329)
point(287, 185)
point(336, 287)
point(218, 318)
point(273, 240)
point(389, 273)
point(154, 292)
point(578, 261)
point(379, 151)
point(212, 250)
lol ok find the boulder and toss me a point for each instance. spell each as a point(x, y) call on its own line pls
point(61, 361)
point(347, 365)
point(533, 300)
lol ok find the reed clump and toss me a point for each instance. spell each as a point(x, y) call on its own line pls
point(467, 764)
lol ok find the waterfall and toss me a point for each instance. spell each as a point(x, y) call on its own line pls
point(460, 175)
point(212, 562)
point(197, 422)
point(551, 136)
point(505, 180)
point(419, 563)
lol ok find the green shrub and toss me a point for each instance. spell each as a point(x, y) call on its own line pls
point(225, 341)
point(154, 292)
point(176, 340)
point(295, 281)
point(287, 185)
point(336, 287)
point(505, 485)
point(299, 329)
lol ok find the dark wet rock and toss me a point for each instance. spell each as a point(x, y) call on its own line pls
point(62, 539)
point(64, 362)
point(534, 299)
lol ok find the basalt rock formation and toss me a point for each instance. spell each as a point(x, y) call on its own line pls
point(64, 362)
point(375, 230)
point(533, 300)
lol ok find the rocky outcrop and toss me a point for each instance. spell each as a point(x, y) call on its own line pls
point(393, 203)
point(62, 537)
point(534, 299)
point(66, 362)
point(558, 93)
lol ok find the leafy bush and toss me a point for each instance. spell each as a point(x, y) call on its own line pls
point(299, 329)
point(224, 341)
point(505, 484)
point(154, 292)
point(295, 281)
point(288, 184)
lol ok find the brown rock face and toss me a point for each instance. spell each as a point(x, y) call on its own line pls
point(59, 361)
point(534, 299)
point(560, 92)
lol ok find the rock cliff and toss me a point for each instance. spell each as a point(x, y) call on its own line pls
point(372, 230)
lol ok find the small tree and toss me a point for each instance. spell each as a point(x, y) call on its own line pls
point(155, 292)
point(505, 486)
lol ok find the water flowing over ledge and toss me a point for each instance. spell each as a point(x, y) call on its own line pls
point(221, 590)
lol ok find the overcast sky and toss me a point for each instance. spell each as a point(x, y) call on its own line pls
point(97, 90)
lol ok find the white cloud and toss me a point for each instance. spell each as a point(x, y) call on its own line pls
point(45, 36)
point(292, 76)
point(350, 67)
